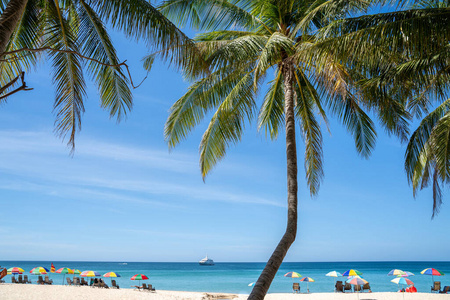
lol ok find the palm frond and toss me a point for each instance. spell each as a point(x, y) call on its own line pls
point(227, 124)
point(68, 76)
point(113, 85)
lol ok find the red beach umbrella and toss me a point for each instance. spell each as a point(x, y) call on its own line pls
point(139, 277)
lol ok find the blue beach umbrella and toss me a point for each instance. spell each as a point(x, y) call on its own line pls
point(307, 280)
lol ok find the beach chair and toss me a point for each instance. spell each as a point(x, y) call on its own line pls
point(40, 280)
point(25, 279)
point(296, 287)
point(102, 284)
point(357, 288)
point(69, 282)
point(76, 281)
point(47, 280)
point(13, 280)
point(445, 290)
point(137, 287)
point(436, 286)
point(20, 279)
point(147, 288)
point(83, 282)
point(347, 287)
point(114, 284)
point(366, 287)
point(338, 287)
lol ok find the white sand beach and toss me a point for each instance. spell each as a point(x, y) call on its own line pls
point(57, 292)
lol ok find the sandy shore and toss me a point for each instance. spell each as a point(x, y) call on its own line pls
point(57, 292)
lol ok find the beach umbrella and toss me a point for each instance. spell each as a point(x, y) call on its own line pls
point(351, 272)
point(293, 275)
point(111, 275)
point(396, 272)
point(90, 274)
point(333, 274)
point(307, 280)
point(402, 280)
point(39, 271)
point(139, 277)
point(15, 270)
point(432, 272)
point(356, 280)
point(76, 271)
point(64, 271)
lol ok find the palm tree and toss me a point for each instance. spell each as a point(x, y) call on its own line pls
point(245, 40)
point(74, 35)
point(411, 63)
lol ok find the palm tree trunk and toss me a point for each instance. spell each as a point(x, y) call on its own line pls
point(265, 279)
point(9, 20)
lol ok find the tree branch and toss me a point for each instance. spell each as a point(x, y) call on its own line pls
point(80, 55)
point(23, 87)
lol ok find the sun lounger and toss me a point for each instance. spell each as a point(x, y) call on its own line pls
point(83, 282)
point(47, 280)
point(356, 288)
point(339, 287)
point(296, 287)
point(76, 281)
point(147, 288)
point(366, 287)
point(13, 280)
point(102, 284)
point(25, 279)
point(347, 287)
point(445, 290)
point(40, 280)
point(436, 286)
point(137, 286)
point(114, 284)
point(20, 279)
point(69, 282)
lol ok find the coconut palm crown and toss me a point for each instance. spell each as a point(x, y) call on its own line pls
point(245, 42)
point(75, 39)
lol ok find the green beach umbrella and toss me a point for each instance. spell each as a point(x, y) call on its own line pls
point(139, 277)
point(64, 271)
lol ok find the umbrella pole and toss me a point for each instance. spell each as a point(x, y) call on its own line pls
point(64, 278)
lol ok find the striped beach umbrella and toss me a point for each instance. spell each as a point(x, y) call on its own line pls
point(76, 271)
point(351, 272)
point(293, 275)
point(64, 271)
point(432, 272)
point(402, 280)
point(396, 272)
point(14, 271)
point(111, 274)
point(90, 274)
point(307, 280)
point(333, 274)
point(139, 277)
point(39, 271)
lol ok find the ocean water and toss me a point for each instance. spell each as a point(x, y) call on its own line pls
point(235, 277)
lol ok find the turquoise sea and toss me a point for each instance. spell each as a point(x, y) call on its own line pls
point(235, 277)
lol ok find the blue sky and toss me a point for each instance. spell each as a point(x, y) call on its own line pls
point(124, 197)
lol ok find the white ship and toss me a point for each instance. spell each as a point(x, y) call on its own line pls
point(206, 261)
